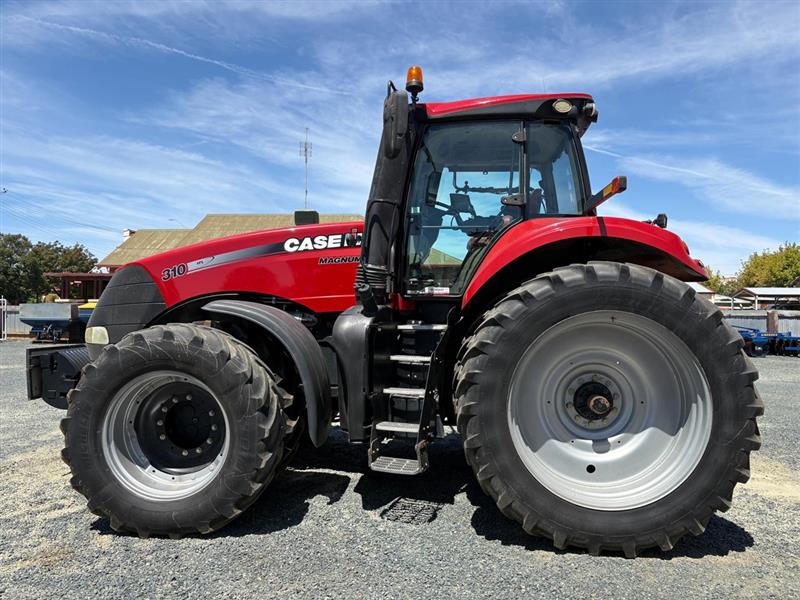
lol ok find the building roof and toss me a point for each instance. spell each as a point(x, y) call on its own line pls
point(221, 225)
point(700, 288)
point(144, 243)
point(147, 242)
point(770, 292)
point(723, 299)
point(437, 257)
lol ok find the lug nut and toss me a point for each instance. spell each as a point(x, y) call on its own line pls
point(211, 413)
point(162, 437)
point(209, 441)
point(198, 450)
point(213, 428)
point(185, 453)
point(188, 397)
point(159, 422)
point(174, 399)
point(164, 409)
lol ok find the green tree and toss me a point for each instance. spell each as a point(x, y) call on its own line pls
point(777, 268)
point(718, 283)
point(23, 265)
point(14, 278)
point(48, 257)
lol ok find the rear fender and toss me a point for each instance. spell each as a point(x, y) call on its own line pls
point(538, 245)
point(301, 346)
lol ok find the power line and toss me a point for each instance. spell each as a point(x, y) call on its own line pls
point(37, 210)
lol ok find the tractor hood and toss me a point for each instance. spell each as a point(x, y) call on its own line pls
point(311, 265)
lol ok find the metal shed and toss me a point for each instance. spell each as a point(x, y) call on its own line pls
point(764, 297)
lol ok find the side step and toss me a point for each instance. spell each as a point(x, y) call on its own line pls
point(405, 392)
point(422, 327)
point(410, 359)
point(383, 431)
point(397, 427)
point(398, 466)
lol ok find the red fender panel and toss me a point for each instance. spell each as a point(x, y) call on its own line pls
point(535, 233)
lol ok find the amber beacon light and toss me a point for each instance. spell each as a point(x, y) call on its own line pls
point(414, 81)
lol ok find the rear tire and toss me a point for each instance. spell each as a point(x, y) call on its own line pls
point(670, 382)
point(176, 429)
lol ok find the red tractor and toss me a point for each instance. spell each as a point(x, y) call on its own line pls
point(601, 403)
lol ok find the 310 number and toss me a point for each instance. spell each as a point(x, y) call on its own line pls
point(173, 272)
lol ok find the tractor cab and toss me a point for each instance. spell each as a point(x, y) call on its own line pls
point(452, 178)
point(472, 180)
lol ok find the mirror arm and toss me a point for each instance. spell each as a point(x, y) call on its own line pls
point(618, 185)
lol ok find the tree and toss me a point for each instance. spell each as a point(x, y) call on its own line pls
point(23, 264)
point(14, 283)
point(778, 268)
point(54, 257)
point(720, 284)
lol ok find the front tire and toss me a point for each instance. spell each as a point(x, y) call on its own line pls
point(606, 407)
point(176, 429)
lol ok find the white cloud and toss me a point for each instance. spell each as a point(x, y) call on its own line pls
point(719, 246)
point(112, 184)
point(724, 186)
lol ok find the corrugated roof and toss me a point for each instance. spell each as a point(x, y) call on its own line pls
point(147, 242)
point(144, 243)
point(769, 291)
point(700, 288)
point(437, 257)
point(220, 225)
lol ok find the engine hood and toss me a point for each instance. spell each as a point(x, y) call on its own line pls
point(311, 265)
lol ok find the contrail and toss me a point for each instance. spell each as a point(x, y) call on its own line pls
point(234, 68)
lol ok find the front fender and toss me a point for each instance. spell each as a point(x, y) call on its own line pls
point(534, 235)
point(301, 346)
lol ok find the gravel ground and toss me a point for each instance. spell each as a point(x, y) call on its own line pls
point(330, 528)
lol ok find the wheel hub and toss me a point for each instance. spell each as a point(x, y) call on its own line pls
point(592, 400)
point(164, 435)
point(178, 428)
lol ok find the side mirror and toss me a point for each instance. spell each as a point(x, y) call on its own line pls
point(617, 186)
point(395, 122)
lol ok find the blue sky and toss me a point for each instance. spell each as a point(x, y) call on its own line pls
point(129, 114)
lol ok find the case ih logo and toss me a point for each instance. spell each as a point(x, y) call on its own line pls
point(319, 242)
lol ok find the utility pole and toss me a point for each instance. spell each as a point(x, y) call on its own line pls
point(305, 154)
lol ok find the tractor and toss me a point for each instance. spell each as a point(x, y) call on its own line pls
point(601, 403)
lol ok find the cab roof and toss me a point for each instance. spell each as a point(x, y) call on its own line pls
point(539, 106)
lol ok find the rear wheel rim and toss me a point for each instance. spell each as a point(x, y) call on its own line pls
point(609, 410)
point(165, 435)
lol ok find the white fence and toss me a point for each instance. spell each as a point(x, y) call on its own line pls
point(3, 319)
point(11, 323)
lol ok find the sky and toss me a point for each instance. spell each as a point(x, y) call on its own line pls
point(135, 115)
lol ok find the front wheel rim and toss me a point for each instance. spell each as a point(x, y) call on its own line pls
point(150, 445)
point(609, 410)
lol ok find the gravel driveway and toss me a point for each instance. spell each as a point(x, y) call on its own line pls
point(330, 528)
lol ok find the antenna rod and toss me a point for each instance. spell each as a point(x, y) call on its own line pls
point(305, 152)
